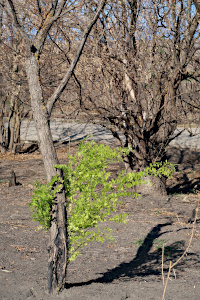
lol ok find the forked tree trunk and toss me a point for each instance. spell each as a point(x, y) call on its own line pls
point(58, 236)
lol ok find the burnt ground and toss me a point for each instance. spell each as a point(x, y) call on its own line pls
point(130, 268)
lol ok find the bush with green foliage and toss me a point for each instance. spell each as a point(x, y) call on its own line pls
point(92, 195)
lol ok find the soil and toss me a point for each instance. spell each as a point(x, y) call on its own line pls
point(130, 268)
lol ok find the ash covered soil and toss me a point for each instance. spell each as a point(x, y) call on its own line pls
point(130, 268)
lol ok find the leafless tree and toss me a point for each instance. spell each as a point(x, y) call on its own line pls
point(142, 74)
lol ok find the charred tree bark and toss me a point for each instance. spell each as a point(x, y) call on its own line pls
point(2, 130)
point(13, 181)
point(2, 112)
point(57, 264)
point(14, 123)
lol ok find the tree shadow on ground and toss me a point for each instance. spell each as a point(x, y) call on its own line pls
point(98, 134)
point(187, 177)
point(185, 186)
point(145, 263)
point(186, 157)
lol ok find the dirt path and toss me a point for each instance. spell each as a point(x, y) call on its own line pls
point(128, 269)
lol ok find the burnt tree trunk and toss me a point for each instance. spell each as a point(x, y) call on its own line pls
point(13, 181)
point(57, 264)
point(14, 120)
point(14, 123)
point(2, 112)
point(2, 132)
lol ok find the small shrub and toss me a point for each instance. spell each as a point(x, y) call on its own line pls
point(92, 196)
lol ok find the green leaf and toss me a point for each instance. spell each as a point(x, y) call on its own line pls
point(92, 196)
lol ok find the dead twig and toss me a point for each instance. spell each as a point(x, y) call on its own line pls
point(163, 251)
point(171, 266)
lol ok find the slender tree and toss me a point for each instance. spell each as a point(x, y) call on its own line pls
point(2, 111)
point(34, 24)
point(14, 88)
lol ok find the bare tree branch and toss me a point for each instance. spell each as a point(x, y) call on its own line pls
point(17, 24)
point(69, 73)
point(197, 5)
point(39, 7)
point(46, 25)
